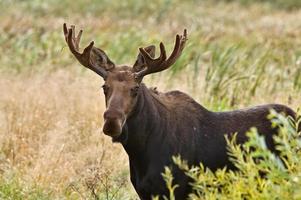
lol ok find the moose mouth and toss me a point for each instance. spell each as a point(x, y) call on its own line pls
point(114, 129)
point(122, 138)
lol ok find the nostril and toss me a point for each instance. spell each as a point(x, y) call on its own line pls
point(112, 115)
point(106, 114)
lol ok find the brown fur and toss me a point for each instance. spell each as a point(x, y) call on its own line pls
point(167, 124)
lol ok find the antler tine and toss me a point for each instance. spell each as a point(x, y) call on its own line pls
point(179, 46)
point(72, 41)
point(159, 64)
point(152, 64)
point(85, 57)
point(76, 39)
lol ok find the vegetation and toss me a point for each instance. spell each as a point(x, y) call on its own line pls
point(280, 4)
point(239, 53)
point(261, 175)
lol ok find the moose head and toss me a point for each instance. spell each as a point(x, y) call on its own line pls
point(122, 82)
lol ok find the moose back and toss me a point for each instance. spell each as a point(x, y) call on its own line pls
point(153, 126)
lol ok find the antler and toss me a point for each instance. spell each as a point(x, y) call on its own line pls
point(92, 58)
point(161, 63)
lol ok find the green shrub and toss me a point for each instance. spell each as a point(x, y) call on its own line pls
point(281, 4)
point(282, 175)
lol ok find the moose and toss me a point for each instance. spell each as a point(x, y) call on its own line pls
point(153, 126)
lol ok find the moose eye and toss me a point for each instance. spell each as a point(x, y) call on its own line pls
point(105, 89)
point(134, 91)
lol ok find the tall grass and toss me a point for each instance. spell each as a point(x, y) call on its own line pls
point(51, 146)
point(279, 4)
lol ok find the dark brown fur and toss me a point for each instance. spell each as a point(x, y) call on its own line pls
point(163, 125)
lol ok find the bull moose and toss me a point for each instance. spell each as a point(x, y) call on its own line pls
point(153, 126)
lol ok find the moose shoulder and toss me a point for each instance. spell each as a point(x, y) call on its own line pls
point(153, 126)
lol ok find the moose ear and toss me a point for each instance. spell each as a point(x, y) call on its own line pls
point(140, 62)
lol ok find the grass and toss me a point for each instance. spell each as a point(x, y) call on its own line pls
point(51, 145)
point(279, 4)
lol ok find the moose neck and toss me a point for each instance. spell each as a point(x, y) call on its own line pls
point(143, 122)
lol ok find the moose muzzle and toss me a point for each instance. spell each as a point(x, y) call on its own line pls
point(113, 122)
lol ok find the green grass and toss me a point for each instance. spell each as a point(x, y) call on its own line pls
point(279, 4)
point(239, 53)
point(12, 188)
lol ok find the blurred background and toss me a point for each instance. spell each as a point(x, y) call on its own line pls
point(239, 53)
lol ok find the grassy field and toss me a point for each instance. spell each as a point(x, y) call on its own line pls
point(239, 54)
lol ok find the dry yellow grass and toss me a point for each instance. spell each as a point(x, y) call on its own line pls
point(51, 129)
point(51, 112)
